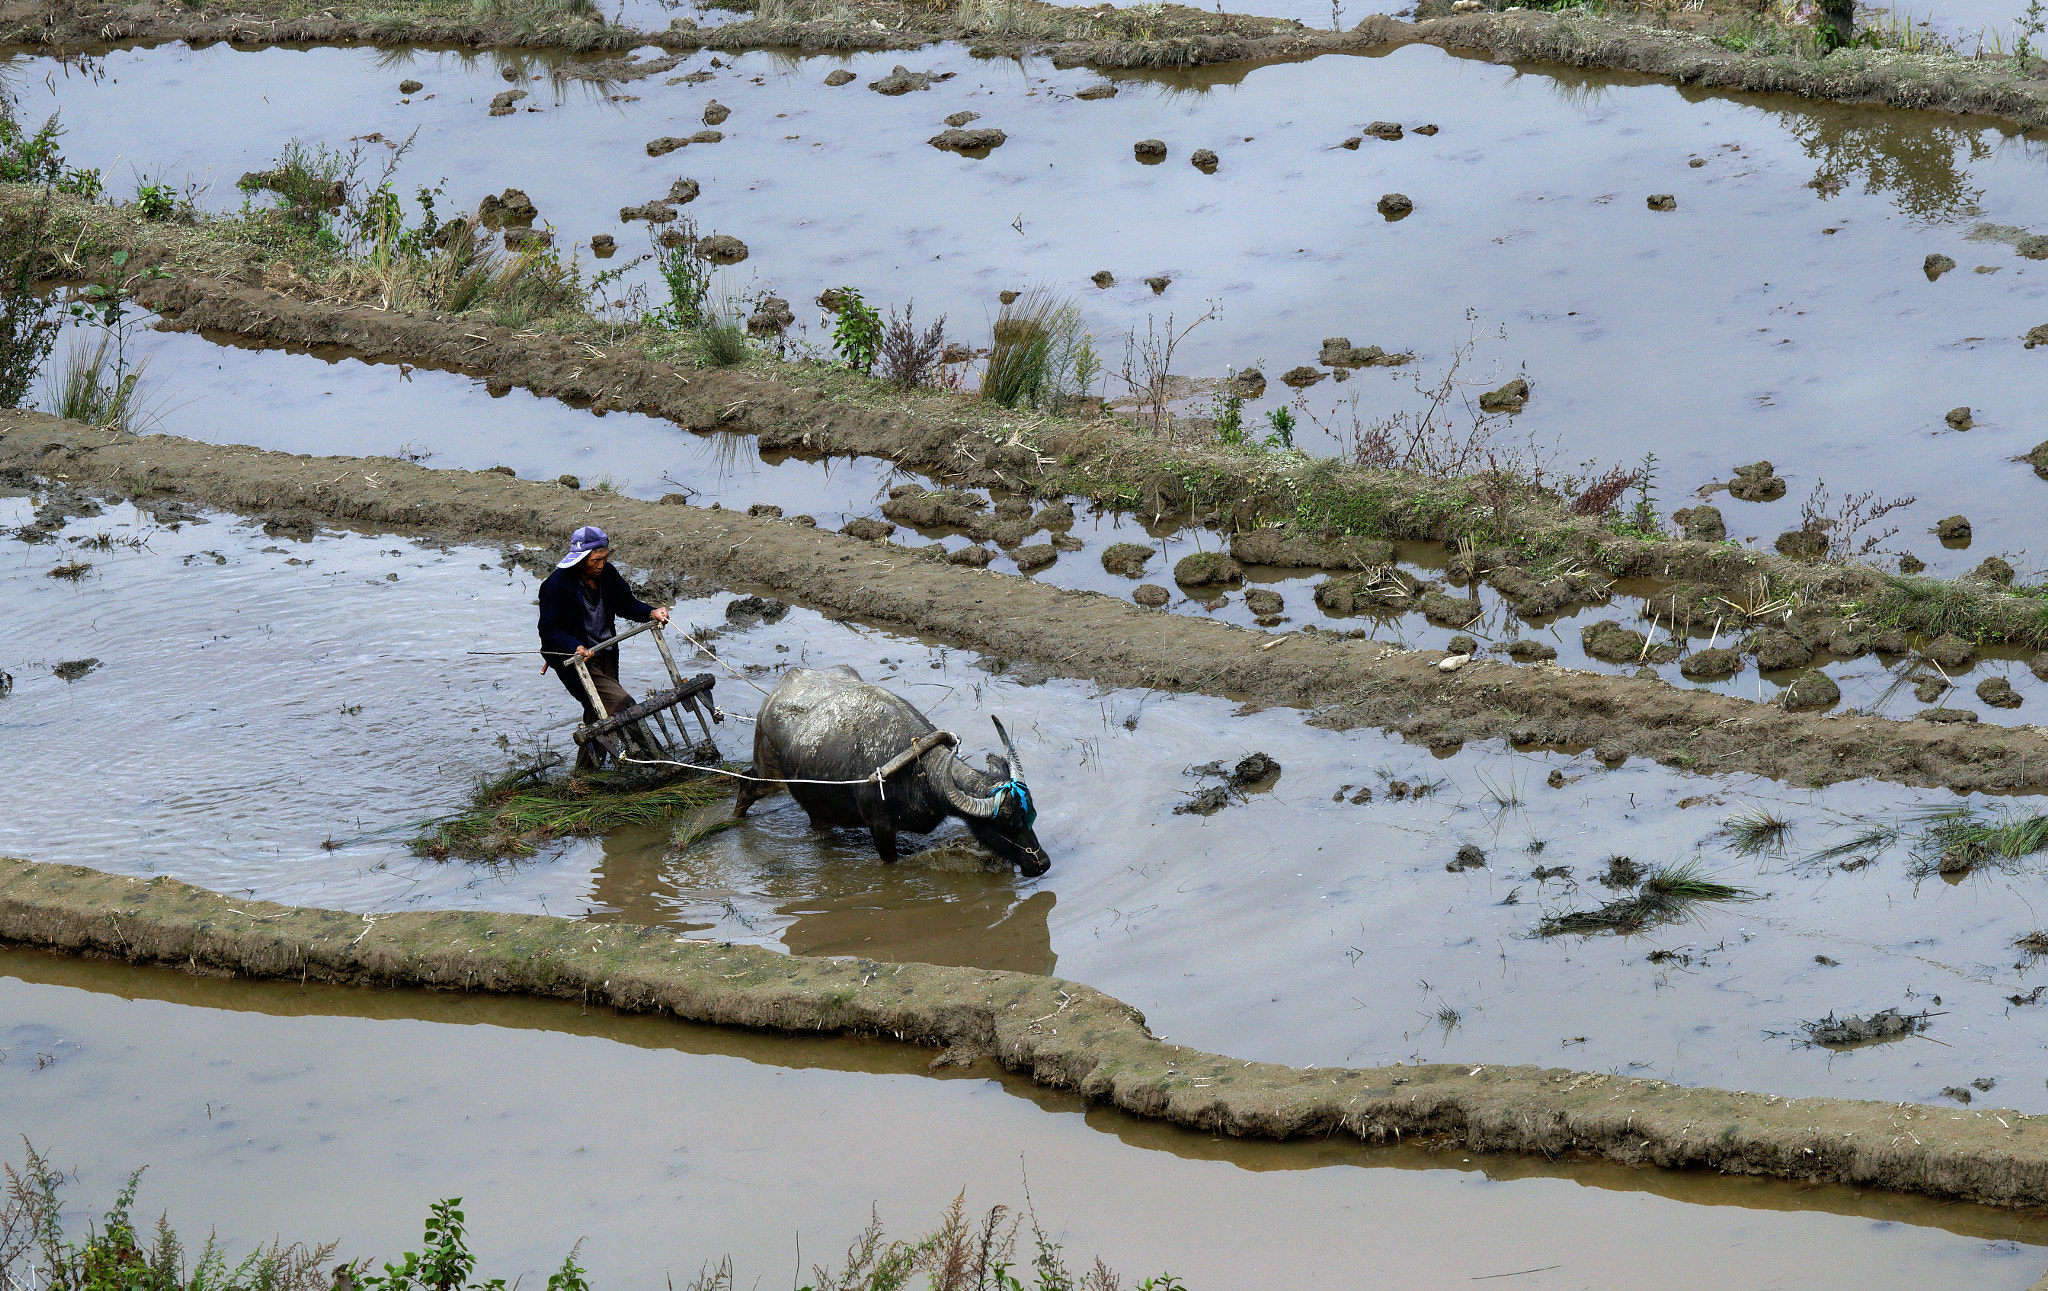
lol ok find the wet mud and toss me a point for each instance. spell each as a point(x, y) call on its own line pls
point(1065, 1035)
point(1060, 632)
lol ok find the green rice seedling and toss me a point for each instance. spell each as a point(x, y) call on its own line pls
point(694, 830)
point(1868, 841)
point(1958, 838)
point(1687, 881)
point(514, 814)
point(1757, 831)
point(1668, 893)
point(1036, 342)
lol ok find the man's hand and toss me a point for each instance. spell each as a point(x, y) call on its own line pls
point(660, 616)
point(583, 652)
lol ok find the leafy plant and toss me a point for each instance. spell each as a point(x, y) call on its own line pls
point(857, 336)
point(2033, 20)
point(32, 157)
point(1229, 418)
point(29, 322)
point(1282, 422)
point(155, 201)
point(687, 277)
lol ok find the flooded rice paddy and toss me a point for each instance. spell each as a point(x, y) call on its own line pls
point(1780, 312)
point(330, 1113)
point(302, 403)
point(274, 717)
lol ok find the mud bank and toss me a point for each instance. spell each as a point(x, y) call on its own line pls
point(1065, 1035)
point(1017, 620)
point(232, 289)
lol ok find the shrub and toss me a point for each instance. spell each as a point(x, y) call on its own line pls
point(857, 336)
point(910, 358)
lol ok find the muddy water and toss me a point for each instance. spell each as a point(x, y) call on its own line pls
point(248, 712)
point(1818, 343)
point(340, 1114)
point(206, 389)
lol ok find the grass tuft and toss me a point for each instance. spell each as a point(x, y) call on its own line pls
point(1031, 360)
point(1756, 831)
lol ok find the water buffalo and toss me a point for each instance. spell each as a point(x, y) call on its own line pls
point(831, 725)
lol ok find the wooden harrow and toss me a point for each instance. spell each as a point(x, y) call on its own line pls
point(646, 727)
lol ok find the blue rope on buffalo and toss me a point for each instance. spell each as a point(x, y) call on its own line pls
point(1014, 802)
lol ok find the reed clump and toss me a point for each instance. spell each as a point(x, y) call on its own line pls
point(1036, 343)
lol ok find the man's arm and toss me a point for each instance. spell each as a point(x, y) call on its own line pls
point(559, 625)
point(619, 598)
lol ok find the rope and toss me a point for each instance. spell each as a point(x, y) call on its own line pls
point(874, 777)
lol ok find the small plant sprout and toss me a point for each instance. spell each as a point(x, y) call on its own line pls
point(1283, 423)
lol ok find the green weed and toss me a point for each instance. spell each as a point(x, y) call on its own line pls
point(1034, 351)
point(1756, 831)
point(857, 334)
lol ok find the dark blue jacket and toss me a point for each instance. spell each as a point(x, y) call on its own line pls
point(561, 609)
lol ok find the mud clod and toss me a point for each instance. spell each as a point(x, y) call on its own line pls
point(73, 669)
point(1663, 202)
point(1936, 265)
point(1621, 872)
point(1264, 601)
point(1555, 779)
point(1126, 558)
point(1710, 665)
point(1151, 595)
point(1952, 715)
point(1950, 651)
point(1036, 556)
point(1701, 523)
point(839, 76)
point(1998, 693)
point(1958, 418)
point(1206, 569)
point(1204, 160)
point(715, 113)
point(1757, 482)
point(1395, 206)
point(1510, 398)
point(1887, 1024)
point(1093, 92)
point(1204, 802)
point(1610, 642)
point(978, 140)
point(867, 528)
point(901, 80)
point(410, 87)
point(1387, 130)
point(1254, 769)
point(1301, 378)
point(502, 104)
point(1148, 148)
point(1527, 651)
point(1469, 858)
point(973, 557)
point(1810, 692)
point(752, 611)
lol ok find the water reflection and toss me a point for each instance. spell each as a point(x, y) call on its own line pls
point(940, 906)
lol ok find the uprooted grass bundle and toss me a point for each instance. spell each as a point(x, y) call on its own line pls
point(1959, 838)
point(1757, 830)
point(516, 813)
point(1668, 893)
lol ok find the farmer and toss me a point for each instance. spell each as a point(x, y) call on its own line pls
point(577, 603)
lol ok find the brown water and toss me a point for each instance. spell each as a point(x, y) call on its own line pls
point(1779, 313)
point(248, 711)
point(262, 1109)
